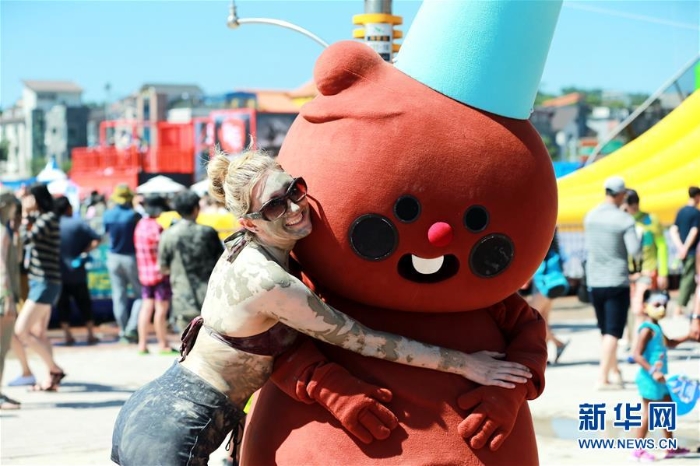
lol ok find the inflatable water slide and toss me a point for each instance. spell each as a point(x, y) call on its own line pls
point(660, 164)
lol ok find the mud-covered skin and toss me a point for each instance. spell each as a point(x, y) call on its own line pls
point(177, 419)
point(373, 138)
point(252, 293)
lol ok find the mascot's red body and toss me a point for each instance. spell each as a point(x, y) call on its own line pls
point(398, 173)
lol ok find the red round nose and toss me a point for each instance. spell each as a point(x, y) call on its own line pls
point(440, 234)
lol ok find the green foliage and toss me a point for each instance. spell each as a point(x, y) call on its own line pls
point(552, 148)
point(638, 98)
point(594, 97)
point(541, 97)
point(615, 104)
point(66, 165)
point(4, 150)
point(38, 164)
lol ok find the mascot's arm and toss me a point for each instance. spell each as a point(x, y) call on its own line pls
point(494, 409)
point(525, 332)
point(306, 375)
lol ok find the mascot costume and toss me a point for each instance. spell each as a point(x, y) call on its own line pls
point(434, 200)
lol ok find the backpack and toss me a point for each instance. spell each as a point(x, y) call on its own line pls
point(549, 277)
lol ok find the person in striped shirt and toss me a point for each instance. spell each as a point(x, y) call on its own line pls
point(610, 239)
point(41, 238)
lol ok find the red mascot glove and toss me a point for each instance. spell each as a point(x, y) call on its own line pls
point(356, 404)
point(494, 410)
point(306, 375)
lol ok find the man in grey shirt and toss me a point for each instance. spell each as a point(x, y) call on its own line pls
point(610, 239)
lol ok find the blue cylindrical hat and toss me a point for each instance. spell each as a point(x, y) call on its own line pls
point(488, 54)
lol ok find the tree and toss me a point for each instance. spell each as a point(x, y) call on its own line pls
point(636, 99)
point(38, 163)
point(66, 165)
point(552, 148)
point(4, 150)
point(541, 97)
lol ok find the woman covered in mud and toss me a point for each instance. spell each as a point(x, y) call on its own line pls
point(253, 311)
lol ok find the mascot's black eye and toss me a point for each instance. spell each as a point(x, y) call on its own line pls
point(407, 209)
point(373, 237)
point(491, 255)
point(476, 218)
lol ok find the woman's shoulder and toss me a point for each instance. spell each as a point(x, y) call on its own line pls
point(250, 276)
point(256, 265)
point(251, 265)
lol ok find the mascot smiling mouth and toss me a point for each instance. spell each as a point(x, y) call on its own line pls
point(420, 270)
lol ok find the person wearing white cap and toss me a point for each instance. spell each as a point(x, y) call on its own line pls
point(610, 238)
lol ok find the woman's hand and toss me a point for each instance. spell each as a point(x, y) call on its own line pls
point(485, 368)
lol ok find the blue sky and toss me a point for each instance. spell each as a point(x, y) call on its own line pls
point(621, 45)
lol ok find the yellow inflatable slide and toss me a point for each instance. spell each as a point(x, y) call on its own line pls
point(660, 164)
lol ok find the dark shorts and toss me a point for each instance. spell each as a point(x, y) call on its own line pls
point(44, 292)
point(160, 291)
point(177, 419)
point(611, 306)
point(81, 295)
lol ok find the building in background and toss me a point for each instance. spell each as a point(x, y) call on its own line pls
point(26, 141)
point(13, 137)
point(66, 128)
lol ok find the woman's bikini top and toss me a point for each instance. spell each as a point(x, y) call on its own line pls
point(272, 342)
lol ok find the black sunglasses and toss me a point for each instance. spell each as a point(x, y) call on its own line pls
point(277, 206)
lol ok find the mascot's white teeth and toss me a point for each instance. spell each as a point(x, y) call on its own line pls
point(427, 266)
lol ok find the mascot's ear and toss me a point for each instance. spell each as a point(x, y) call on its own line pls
point(345, 73)
point(342, 64)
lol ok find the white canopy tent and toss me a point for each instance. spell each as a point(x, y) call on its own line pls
point(66, 187)
point(51, 172)
point(160, 185)
point(201, 187)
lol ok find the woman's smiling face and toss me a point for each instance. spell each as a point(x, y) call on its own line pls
point(294, 224)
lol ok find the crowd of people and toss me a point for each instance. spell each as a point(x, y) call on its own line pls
point(44, 249)
point(161, 277)
point(627, 270)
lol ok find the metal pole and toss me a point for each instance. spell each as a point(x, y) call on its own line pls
point(378, 31)
point(234, 21)
point(378, 6)
point(646, 104)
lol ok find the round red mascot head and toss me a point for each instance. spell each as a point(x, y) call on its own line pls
point(421, 203)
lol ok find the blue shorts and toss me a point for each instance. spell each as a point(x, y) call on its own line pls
point(44, 292)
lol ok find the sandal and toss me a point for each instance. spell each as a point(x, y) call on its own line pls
point(56, 378)
point(40, 388)
point(7, 403)
point(560, 351)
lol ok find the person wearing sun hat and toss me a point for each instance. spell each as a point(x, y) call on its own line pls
point(610, 239)
point(120, 223)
